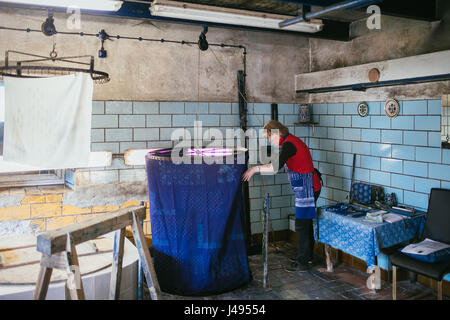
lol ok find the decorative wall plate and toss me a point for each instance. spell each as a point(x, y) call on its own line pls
point(392, 108)
point(363, 109)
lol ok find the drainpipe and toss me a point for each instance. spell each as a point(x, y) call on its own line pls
point(353, 4)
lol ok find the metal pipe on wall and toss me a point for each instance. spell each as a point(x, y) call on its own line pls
point(352, 4)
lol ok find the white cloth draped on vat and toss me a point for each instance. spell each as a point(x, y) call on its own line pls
point(48, 121)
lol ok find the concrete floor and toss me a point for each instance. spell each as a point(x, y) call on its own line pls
point(345, 283)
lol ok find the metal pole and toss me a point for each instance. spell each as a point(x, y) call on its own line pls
point(332, 8)
point(140, 276)
point(265, 241)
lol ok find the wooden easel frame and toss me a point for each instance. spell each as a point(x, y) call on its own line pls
point(59, 251)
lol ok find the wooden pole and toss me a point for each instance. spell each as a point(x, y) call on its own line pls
point(146, 259)
point(116, 271)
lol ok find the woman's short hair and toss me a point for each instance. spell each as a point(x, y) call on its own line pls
point(275, 125)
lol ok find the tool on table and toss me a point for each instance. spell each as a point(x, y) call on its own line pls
point(350, 195)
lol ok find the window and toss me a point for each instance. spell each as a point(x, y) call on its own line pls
point(16, 178)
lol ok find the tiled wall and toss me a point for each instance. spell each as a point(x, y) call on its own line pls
point(121, 125)
point(401, 154)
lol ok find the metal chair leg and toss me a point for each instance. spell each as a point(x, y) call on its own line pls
point(439, 290)
point(394, 282)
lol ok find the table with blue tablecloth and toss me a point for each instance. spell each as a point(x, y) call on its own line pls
point(361, 238)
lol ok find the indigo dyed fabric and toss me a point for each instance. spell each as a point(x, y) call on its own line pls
point(363, 239)
point(303, 188)
point(196, 223)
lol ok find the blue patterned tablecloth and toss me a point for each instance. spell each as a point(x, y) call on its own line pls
point(363, 239)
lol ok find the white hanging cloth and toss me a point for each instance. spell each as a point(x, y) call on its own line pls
point(48, 121)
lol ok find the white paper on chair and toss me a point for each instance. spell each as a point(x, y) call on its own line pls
point(425, 247)
point(48, 121)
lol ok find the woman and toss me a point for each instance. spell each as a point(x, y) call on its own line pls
point(305, 181)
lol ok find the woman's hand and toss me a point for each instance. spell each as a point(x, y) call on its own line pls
point(249, 173)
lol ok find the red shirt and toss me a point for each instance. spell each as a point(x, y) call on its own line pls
point(301, 162)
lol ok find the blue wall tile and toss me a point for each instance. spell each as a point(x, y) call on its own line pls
point(314, 143)
point(302, 131)
point(326, 168)
point(171, 107)
point(435, 107)
point(381, 150)
point(380, 122)
point(343, 146)
point(403, 122)
point(391, 165)
point(320, 132)
point(415, 138)
point(381, 178)
point(438, 171)
point(336, 133)
point(334, 182)
point(374, 108)
point(362, 175)
point(370, 162)
point(418, 169)
point(361, 148)
point(434, 139)
point(403, 152)
point(425, 185)
point(350, 108)
point(258, 108)
point(429, 123)
point(392, 136)
point(360, 122)
point(428, 154)
point(402, 182)
point(343, 171)
point(326, 121)
point(191, 107)
point(284, 108)
point(319, 155)
point(319, 109)
point(446, 156)
point(334, 157)
point(335, 108)
point(414, 107)
point(327, 144)
point(352, 134)
point(343, 121)
point(418, 200)
point(371, 135)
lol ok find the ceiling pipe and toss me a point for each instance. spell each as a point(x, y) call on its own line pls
point(353, 4)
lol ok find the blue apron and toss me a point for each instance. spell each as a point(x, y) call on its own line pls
point(303, 187)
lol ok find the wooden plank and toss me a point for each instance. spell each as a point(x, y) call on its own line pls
point(40, 291)
point(116, 271)
point(37, 261)
point(432, 64)
point(53, 242)
point(74, 284)
point(146, 259)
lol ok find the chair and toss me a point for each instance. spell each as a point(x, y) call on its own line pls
point(437, 227)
